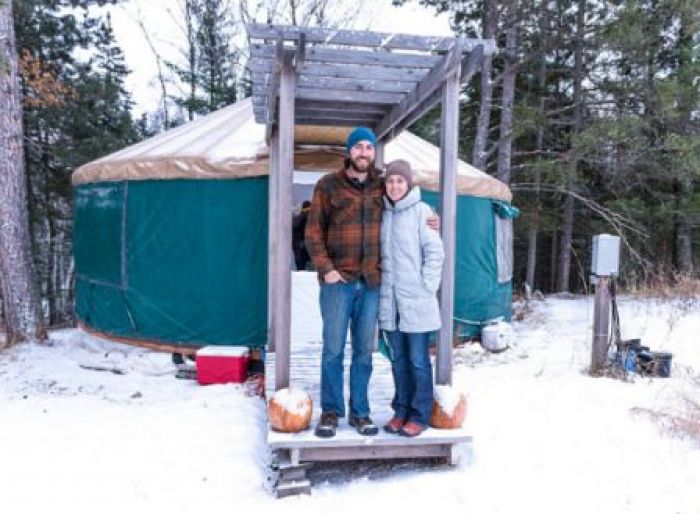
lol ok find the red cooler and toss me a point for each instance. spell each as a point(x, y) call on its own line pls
point(222, 364)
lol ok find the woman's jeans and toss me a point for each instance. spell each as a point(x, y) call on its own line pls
point(357, 305)
point(413, 376)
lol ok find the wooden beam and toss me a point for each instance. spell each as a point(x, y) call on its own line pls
point(345, 103)
point(300, 55)
point(342, 95)
point(373, 451)
point(338, 95)
point(338, 113)
point(601, 326)
point(264, 65)
point(364, 57)
point(335, 122)
point(312, 104)
point(272, 240)
point(283, 230)
point(379, 154)
point(272, 91)
point(469, 66)
point(392, 41)
point(449, 141)
point(422, 91)
point(354, 84)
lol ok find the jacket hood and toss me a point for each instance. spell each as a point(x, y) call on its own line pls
point(412, 198)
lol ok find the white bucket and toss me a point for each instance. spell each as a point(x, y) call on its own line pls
point(496, 337)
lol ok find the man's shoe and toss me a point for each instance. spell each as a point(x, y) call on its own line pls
point(411, 429)
point(327, 424)
point(394, 425)
point(364, 425)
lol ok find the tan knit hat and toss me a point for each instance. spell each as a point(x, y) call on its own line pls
point(400, 167)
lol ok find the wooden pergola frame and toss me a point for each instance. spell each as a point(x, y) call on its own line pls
point(324, 77)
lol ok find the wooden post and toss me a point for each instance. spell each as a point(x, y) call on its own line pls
point(601, 325)
point(273, 178)
point(283, 230)
point(379, 155)
point(449, 132)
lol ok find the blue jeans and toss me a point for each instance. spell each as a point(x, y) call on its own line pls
point(357, 305)
point(413, 376)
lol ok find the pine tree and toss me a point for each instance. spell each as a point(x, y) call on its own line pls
point(209, 64)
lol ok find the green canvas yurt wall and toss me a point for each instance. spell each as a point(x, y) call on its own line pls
point(479, 294)
point(173, 261)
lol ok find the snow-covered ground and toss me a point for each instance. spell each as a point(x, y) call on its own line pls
point(547, 437)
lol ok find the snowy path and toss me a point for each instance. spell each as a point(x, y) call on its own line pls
point(547, 437)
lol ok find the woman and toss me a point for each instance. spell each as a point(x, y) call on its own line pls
point(411, 261)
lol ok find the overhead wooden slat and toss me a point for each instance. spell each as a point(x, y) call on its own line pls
point(354, 117)
point(348, 96)
point(334, 122)
point(332, 55)
point(312, 104)
point(338, 113)
point(360, 38)
point(355, 84)
point(265, 65)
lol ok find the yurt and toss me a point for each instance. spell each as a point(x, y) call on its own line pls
point(170, 234)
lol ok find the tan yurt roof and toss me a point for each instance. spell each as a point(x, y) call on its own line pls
point(228, 143)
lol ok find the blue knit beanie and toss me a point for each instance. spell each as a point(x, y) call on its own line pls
point(360, 134)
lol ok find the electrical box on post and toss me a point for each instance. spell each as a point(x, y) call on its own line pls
point(606, 255)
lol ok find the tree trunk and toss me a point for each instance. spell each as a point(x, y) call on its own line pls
point(191, 58)
point(683, 230)
point(20, 298)
point(565, 239)
point(553, 261)
point(542, 84)
point(568, 207)
point(505, 141)
point(484, 120)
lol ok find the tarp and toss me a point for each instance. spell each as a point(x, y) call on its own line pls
point(180, 261)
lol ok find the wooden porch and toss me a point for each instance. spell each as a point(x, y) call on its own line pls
point(305, 373)
point(320, 78)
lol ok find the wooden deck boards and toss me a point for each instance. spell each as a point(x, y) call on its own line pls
point(348, 444)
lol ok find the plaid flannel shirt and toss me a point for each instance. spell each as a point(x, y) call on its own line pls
point(344, 225)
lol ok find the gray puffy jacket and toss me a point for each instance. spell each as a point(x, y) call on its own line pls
point(411, 261)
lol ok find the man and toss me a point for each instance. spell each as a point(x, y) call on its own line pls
point(342, 238)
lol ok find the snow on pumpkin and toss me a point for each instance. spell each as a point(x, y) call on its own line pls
point(289, 410)
point(449, 407)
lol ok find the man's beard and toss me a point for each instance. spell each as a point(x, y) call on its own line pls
point(351, 163)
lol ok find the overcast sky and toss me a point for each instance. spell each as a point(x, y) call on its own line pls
point(377, 15)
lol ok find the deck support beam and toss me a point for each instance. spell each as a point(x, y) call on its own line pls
point(449, 140)
point(280, 289)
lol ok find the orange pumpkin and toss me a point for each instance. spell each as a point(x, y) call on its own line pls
point(442, 419)
point(290, 410)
